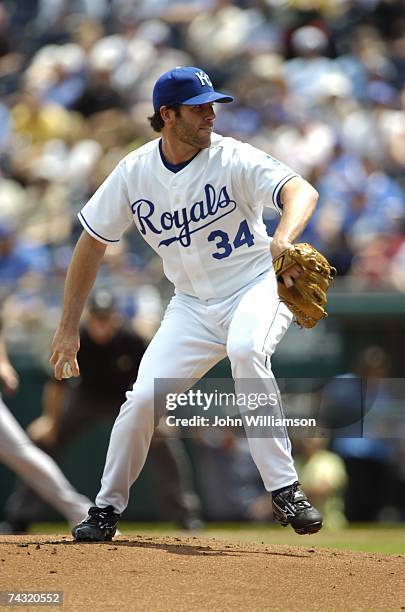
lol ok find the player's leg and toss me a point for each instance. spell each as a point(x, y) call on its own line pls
point(71, 415)
point(182, 351)
point(258, 324)
point(38, 469)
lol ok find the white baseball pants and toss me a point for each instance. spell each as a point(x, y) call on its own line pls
point(194, 336)
point(38, 470)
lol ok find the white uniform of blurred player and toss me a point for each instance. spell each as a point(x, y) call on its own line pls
point(197, 198)
point(34, 466)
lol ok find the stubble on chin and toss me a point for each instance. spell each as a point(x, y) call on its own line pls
point(194, 139)
point(204, 143)
point(198, 143)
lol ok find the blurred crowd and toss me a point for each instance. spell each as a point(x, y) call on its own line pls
point(319, 84)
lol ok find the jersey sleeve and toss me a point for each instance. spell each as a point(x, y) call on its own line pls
point(260, 178)
point(107, 214)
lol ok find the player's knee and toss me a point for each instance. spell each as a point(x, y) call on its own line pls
point(144, 405)
point(139, 406)
point(242, 350)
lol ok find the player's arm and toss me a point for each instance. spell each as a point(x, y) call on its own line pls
point(8, 376)
point(299, 199)
point(80, 278)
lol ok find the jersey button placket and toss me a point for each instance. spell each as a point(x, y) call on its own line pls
point(175, 205)
point(188, 256)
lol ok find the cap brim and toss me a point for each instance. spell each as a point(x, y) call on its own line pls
point(205, 98)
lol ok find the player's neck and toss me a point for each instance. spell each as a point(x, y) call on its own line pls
point(176, 152)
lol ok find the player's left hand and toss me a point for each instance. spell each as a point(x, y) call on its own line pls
point(9, 377)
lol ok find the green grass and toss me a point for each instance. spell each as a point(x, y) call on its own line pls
point(382, 538)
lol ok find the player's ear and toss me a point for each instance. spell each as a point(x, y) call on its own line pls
point(167, 113)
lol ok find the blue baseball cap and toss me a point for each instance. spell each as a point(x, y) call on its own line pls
point(185, 85)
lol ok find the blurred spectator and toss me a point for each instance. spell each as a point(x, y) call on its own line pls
point(37, 122)
point(67, 76)
point(18, 259)
point(368, 459)
point(13, 263)
point(98, 95)
point(306, 71)
point(322, 473)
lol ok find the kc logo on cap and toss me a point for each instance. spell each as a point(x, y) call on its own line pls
point(204, 78)
point(186, 85)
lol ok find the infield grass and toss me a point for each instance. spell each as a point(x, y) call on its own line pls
point(381, 538)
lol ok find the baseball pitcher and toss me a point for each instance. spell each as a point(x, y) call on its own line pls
point(197, 198)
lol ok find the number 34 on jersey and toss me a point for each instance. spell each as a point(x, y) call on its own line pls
point(225, 245)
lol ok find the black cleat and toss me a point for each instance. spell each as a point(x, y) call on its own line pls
point(99, 526)
point(291, 507)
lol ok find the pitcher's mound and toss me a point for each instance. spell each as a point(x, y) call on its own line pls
point(191, 573)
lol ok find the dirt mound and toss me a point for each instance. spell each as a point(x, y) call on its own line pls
point(193, 573)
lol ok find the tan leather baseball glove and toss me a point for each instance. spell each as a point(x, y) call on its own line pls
point(307, 297)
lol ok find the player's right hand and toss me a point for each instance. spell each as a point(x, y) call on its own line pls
point(64, 349)
point(290, 275)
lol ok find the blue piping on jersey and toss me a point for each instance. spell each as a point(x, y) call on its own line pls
point(277, 191)
point(174, 167)
point(92, 230)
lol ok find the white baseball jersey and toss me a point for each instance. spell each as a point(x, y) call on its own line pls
point(204, 221)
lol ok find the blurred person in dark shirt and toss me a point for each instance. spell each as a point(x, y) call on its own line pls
point(98, 95)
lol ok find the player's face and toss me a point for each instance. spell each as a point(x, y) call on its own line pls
point(193, 125)
point(101, 327)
